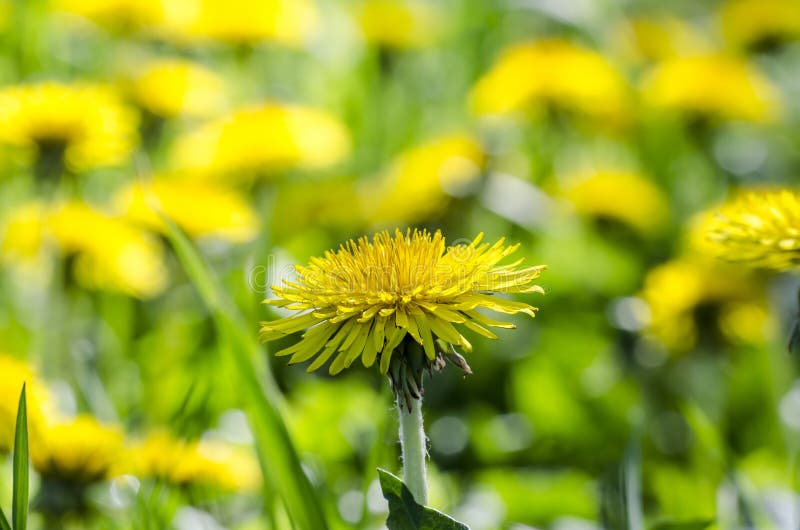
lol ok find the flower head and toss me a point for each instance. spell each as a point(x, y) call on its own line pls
point(174, 87)
point(268, 137)
point(659, 38)
point(551, 72)
point(185, 463)
point(380, 299)
point(87, 125)
point(109, 253)
point(400, 24)
point(202, 209)
point(712, 85)
point(748, 23)
point(761, 229)
point(81, 451)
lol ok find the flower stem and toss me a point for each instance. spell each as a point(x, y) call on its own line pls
point(412, 441)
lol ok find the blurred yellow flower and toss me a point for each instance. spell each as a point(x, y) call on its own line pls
point(625, 196)
point(176, 87)
point(752, 22)
point(184, 463)
point(688, 296)
point(88, 123)
point(761, 229)
point(13, 373)
point(81, 451)
point(109, 252)
point(713, 85)
point(554, 72)
point(400, 24)
point(365, 298)
point(264, 138)
point(116, 14)
point(419, 183)
point(656, 39)
point(288, 22)
point(202, 209)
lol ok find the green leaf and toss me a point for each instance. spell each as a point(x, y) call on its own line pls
point(261, 398)
point(406, 514)
point(4, 522)
point(19, 506)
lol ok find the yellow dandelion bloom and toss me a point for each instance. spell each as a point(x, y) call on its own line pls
point(761, 229)
point(656, 39)
point(752, 22)
point(81, 451)
point(184, 463)
point(89, 124)
point(269, 137)
point(713, 85)
point(400, 24)
point(201, 209)
point(688, 297)
point(554, 72)
point(420, 182)
point(109, 252)
point(15, 373)
point(625, 196)
point(288, 22)
point(175, 87)
point(364, 299)
point(117, 14)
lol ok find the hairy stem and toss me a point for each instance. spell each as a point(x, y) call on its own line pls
point(412, 441)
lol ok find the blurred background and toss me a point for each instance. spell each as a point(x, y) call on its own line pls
point(653, 390)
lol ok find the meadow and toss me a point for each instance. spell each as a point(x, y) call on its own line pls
point(243, 241)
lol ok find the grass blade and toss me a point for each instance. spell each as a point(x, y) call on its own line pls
point(19, 506)
point(262, 400)
point(4, 522)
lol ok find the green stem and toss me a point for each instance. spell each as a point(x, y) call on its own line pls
point(412, 441)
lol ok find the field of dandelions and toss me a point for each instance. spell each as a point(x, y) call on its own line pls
point(164, 163)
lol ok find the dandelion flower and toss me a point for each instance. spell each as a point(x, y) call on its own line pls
point(109, 253)
point(747, 23)
point(202, 209)
point(621, 195)
point(712, 85)
point(175, 87)
point(185, 463)
point(268, 137)
point(419, 183)
point(81, 451)
point(15, 373)
point(87, 126)
point(761, 229)
point(288, 22)
point(656, 39)
point(399, 24)
point(553, 72)
point(365, 299)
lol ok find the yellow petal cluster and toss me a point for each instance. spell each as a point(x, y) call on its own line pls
point(184, 463)
point(81, 451)
point(109, 252)
point(89, 122)
point(288, 22)
point(761, 229)
point(365, 298)
point(268, 137)
point(625, 196)
point(176, 87)
point(656, 39)
point(751, 22)
point(555, 72)
point(718, 86)
point(400, 24)
point(13, 374)
point(201, 209)
point(417, 184)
